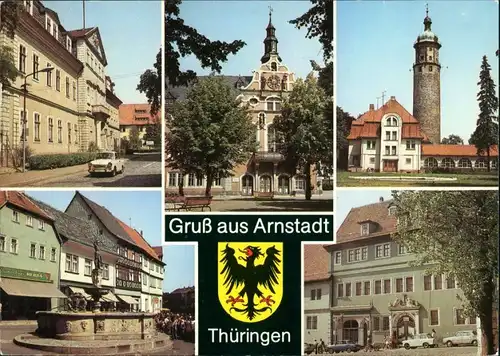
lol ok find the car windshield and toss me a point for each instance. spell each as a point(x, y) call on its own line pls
point(105, 155)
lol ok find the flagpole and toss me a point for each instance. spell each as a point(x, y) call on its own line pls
point(83, 3)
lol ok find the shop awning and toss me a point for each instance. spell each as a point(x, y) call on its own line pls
point(128, 299)
point(110, 297)
point(81, 291)
point(17, 287)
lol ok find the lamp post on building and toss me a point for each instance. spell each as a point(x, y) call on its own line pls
point(25, 92)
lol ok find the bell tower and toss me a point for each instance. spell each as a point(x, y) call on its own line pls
point(270, 42)
point(427, 82)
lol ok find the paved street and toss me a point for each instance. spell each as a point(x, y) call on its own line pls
point(7, 346)
point(440, 351)
point(140, 171)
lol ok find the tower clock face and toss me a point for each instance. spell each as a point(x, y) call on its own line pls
point(273, 82)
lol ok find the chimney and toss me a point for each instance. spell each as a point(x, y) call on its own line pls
point(372, 107)
point(141, 233)
point(393, 98)
point(381, 199)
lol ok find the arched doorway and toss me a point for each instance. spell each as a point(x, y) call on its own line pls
point(351, 331)
point(247, 185)
point(365, 333)
point(265, 184)
point(405, 327)
point(283, 184)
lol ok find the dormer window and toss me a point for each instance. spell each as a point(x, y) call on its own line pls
point(56, 30)
point(391, 121)
point(69, 44)
point(48, 24)
point(365, 229)
point(274, 66)
point(28, 5)
point(392, 210)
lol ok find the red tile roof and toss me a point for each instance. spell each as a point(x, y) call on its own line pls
point(159, 251)
point(139, 240)
point(368, 124)
point(378, 213)
point(455, 150)
point(130, 116)
point(82, 32)
point(21, 201)
point(316, 263)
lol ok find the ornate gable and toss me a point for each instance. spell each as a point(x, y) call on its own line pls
point(95, 41)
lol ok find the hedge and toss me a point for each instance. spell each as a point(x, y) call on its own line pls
point(328, 185)
point(40, 162)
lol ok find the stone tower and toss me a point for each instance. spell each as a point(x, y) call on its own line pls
point(427, 82)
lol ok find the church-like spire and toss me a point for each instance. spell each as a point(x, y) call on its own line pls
point(427, 20)
point(270, 42)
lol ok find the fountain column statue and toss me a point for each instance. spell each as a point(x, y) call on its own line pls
point(97, 292)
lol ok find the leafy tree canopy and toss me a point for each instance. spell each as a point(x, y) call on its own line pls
point(134, 138)
point(452, 140)
point(210, 132)
point(455, 233)
point(9, 17)
point(153, 132)
point(150, 85)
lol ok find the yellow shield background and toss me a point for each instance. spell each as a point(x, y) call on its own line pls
point(222, 290)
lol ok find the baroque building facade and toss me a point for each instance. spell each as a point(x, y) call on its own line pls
point(391, 139)
point(375, 290)
point(264, 172)
point(69, 107)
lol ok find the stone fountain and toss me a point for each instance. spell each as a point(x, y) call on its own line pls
point(95, 331)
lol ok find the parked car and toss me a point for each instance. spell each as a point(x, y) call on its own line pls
point(107, 162)
point(343, 346)
point(465, 337)
point(419, 340)
point(308, 348)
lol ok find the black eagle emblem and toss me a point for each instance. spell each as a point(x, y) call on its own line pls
point(250, 277)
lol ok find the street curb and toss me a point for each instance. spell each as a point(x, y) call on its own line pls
point(17, 322)
point(27, 183)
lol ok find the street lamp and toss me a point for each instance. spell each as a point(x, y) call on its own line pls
point(25, 92)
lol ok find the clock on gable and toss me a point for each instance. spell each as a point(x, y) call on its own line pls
point(274, 82)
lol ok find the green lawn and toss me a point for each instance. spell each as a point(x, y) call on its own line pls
point(463, 180)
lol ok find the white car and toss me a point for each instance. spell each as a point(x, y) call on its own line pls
point(419, 340)
point(465, 337)
point(107, 162)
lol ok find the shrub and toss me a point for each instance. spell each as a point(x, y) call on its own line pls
point(327, 185)
point(17, 156)
point(40, 162)
point(93, 147)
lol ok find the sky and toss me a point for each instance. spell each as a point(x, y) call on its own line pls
point(130, 32)
point(143, 211)
point(375, 53)
point(353, 198)
point(247, 21)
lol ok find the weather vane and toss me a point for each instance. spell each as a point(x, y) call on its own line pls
point(426, 9)
point(270, 10)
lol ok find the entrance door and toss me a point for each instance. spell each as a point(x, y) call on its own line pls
point(283, 185)
point(265, 184)
point(247, 185)
point(405, 327)
point(390, 165)
point(351, 331)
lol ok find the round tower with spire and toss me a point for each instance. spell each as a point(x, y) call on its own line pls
point(427, 82)
point(270, 42)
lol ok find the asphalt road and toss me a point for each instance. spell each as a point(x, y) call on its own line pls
point(140, 171)
point(7, 346)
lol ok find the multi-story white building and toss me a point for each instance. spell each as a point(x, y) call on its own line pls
point(68, 107)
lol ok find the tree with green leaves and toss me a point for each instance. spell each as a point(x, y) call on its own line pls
point(182, 40)
point(344, 121)
point(153, 132)
point(455, 233)
point(486, 134)
point(301, 129)
point(210, 132)
point(9, 17)
point(452, 140)
point(134, 138)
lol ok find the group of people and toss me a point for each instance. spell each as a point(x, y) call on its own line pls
point(178, 326)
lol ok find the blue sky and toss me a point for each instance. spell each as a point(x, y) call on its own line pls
point(353, 198)
point(247, 21)
point(375, 53)
point(131, 34)
point(143, 211)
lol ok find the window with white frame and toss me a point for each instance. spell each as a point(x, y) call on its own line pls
point(69, 44)
point(51, 129)
point(338, 258)
point(434, 317)
point(172, 179)
point(262, 120)
point(14, 246)
point(36, 66)
point(41, 225)
point(59, 131)
point(387, 150)
point(383, 250)
point(87, 271)
point(41, 252)
point(392, 210)
point(2, 244)
point(29, 220)
point(402, 250)
point(357, 254)
point(394, 135)
point(481, 163)
point(387, 135)
point(393, 151)
point(71, 263)
point(365, 229)
point(273, 105)
point(33, 250)
point(300, 183)
point(316, 294)
point(36, 126)
point(15, 216)
point(28, 5)
point(53, 256)
point(370, 145)
point(340, 290)
point(105, 271)
point(410, 145)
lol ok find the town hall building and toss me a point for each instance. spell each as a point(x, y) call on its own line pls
point(264, 172)
point(391, 139)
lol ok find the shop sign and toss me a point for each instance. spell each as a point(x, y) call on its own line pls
point(15, 273)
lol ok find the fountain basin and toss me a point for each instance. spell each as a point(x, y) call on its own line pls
point(87, 326)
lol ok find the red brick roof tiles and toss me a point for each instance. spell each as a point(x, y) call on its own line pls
point(455, 150)
point(378, 213)
point(130, 114)
point(159, 251)
point(82, 32)
point(138, 239)
point(316, 263)
point(21, 201)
